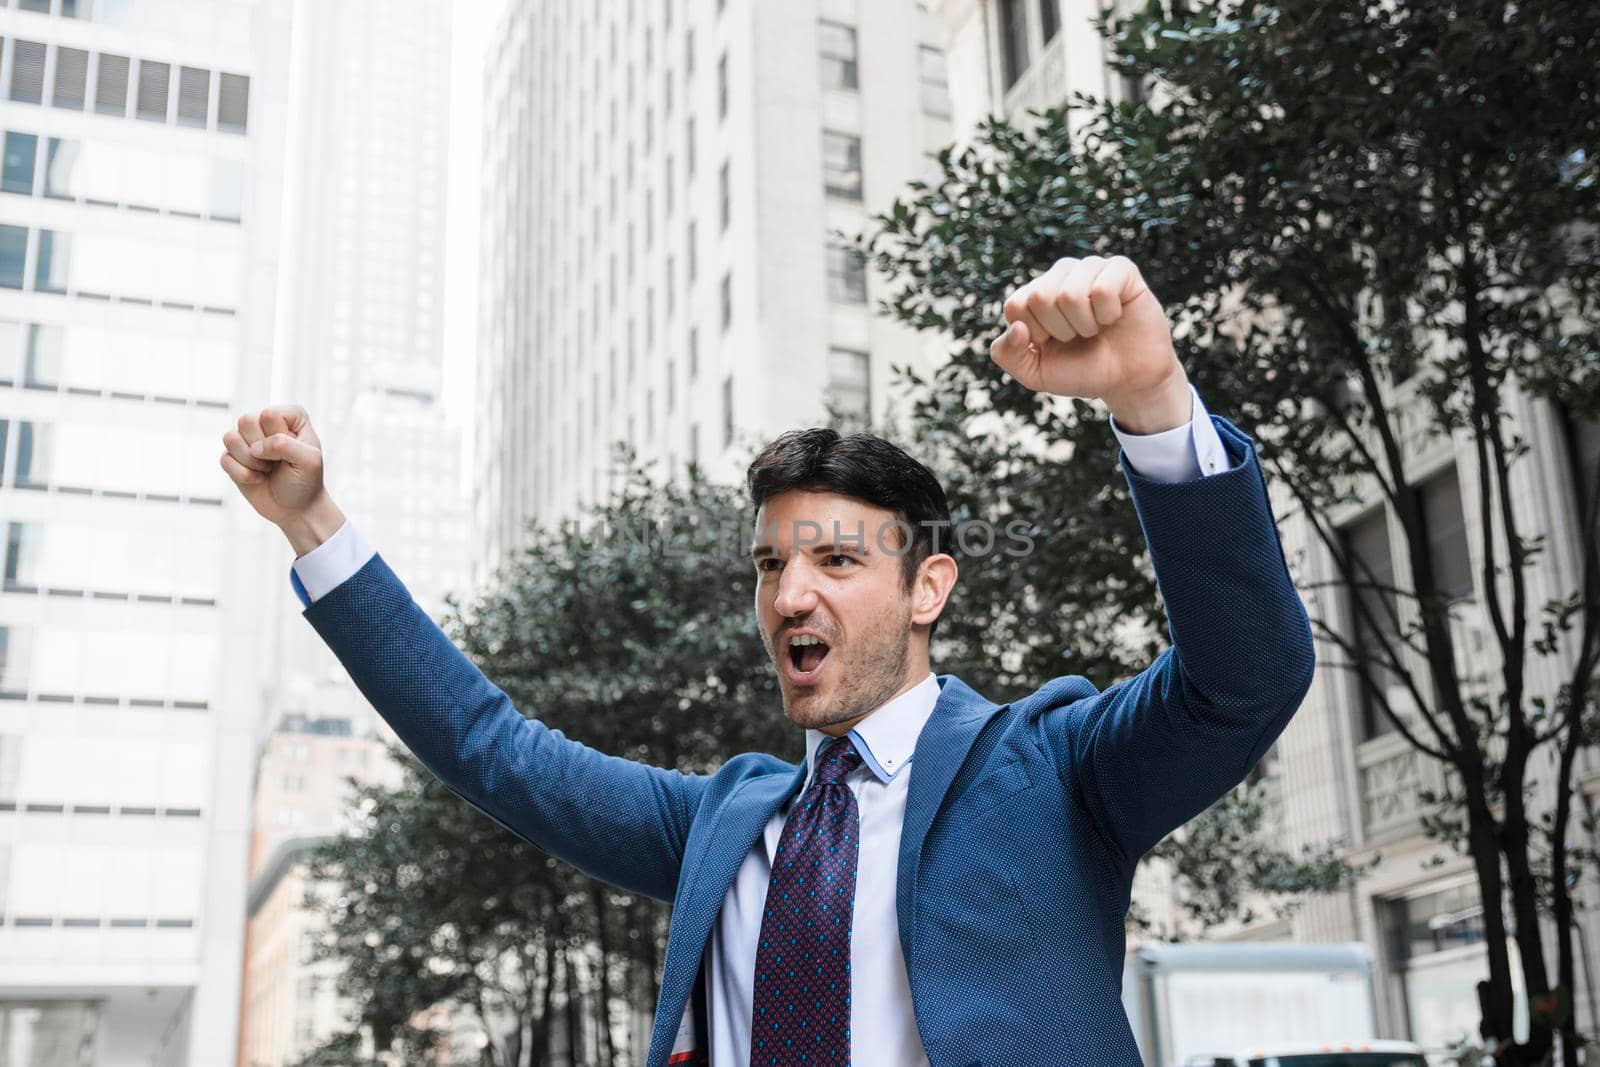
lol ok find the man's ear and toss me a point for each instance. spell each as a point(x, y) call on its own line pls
point(931, 587)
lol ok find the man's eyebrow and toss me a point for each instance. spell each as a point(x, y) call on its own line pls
point(843, 544)
point(762, 551)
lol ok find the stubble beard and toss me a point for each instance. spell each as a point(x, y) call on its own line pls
point(864, 686)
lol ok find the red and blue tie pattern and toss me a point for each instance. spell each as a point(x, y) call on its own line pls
point(801, 1009)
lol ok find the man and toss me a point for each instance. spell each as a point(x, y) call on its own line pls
point(944, 881)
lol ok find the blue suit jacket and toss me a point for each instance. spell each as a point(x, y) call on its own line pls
point(1023, 823)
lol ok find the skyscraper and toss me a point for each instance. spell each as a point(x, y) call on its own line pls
point(360, 346)
point(662, 186)
point(143, 148)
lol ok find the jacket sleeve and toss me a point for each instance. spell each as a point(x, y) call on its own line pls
point(617, 820)
point(1153, 751)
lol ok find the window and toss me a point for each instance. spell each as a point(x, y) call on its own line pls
point(154, 81)
point(692, 256)
point(672, 386)
point(935, 88)
point(233, 103)
point(13, 255)
point(194, 96)
point(33, 455)
point(1013, 41)
point(71, 84)
point(1448, 557)
point(724, 198)
point(837, 45)
point(1132, 88)
point(111, 85)
point(722, 86)
point(1583, 437)
point(21, 558)
point(727, 301)
point(688, 146)
point(1050, 18)
point(41, 364)
point(841, 164)
point(11, 333)
point(694, 443)
point(847, 275)
point(5, 427)
point(670, 268)
point(1366, 545)
point(727, 411)
point(849, 385)
point(21, 151)
point(694, 352)
point(27, 71)
point(55, 256)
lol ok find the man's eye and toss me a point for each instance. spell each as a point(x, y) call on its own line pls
point(838, 559)
point(767, 565)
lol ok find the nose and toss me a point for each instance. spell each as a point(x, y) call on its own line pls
point(797, 593)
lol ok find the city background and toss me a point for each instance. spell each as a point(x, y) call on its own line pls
point(485, 243)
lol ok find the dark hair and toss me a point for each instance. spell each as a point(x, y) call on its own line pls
point(862, 466)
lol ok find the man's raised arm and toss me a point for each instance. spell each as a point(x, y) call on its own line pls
point(1149, 753)
point(623, 822)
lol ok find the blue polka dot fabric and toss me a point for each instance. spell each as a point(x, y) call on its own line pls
point(801, 1008)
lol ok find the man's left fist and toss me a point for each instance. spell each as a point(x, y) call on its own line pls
point(1091, 328)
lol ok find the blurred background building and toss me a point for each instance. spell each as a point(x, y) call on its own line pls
point(661, 186)
point(139, 204)
point(360, 345)
point(1355, 778)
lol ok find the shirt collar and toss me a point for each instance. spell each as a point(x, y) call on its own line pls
point(887, 737)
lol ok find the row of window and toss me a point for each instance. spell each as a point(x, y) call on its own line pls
point(133, 880)
point(155, 463)
point(146, 668)
point(131, 811)
point(1016, 34)
point(840, 59)
point(1377, 613)
point(80, 922)
point(101, 173)
point(94, 265)
point(161, 92)
point(87, 359)
point(107, 562)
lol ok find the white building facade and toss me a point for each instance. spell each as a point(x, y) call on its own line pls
point(662, 182)
point(143, 153)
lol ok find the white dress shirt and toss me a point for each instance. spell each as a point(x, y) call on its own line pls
point(883, 1029)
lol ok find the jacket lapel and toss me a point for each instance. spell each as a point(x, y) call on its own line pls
point(941, 747)
point(708, 873)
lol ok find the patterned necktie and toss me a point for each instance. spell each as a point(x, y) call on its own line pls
point(801, 1008)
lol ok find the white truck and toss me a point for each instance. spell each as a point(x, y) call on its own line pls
point(1229, 1003)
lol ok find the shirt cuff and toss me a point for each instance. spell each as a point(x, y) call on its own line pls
point(326, 567)
point(1180, 454)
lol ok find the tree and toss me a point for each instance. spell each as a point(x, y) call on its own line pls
point(630, 631)
point(1374, 226)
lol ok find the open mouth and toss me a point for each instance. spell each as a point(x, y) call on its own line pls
point(807, 652)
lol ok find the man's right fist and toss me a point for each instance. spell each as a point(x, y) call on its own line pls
point(275, 459)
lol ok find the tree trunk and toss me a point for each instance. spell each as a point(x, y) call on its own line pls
point(606, 1053)
point(546, 1000)
point(574, 1012)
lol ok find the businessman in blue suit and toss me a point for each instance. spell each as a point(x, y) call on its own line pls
point(944, 880)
